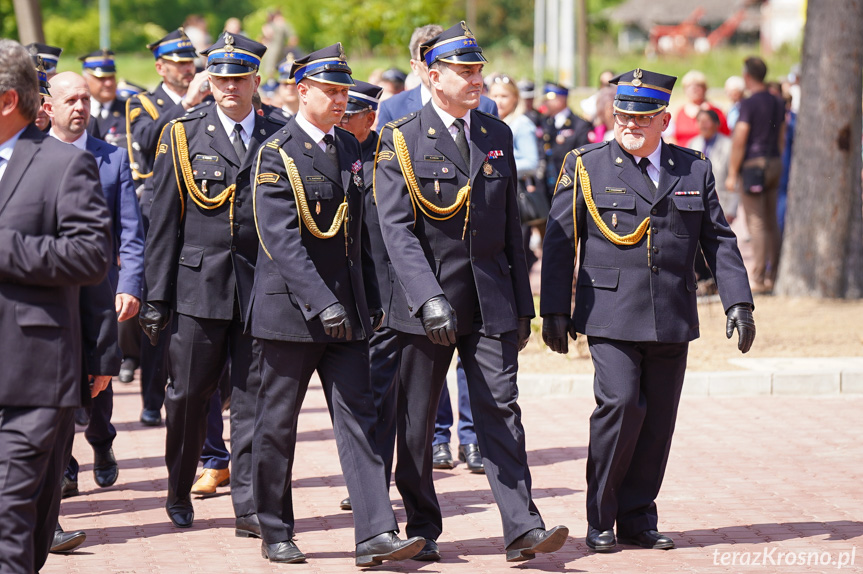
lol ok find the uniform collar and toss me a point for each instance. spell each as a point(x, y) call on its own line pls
point(248, 124)
point(175, 97)
point(313, 131)
point(448, 119)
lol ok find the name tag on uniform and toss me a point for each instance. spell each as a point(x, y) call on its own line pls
point(615, 190)
point(202, 157)
point(687, 193)
point(315, 178)
point(435, 158)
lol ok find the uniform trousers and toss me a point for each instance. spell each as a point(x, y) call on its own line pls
point(100, 433)
point(384, 360)
point(343, 368)
point(637, 388)
point(491, 366)
point(444, 417)
point(34, 447)
point(200, 351)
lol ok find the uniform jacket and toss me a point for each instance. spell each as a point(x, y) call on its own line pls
point(112, 128)
point(54, 237)
point(486, 269)
point(556, 143)
point(410, 101)
point(194, 261)
point(299, 275)
point(126, 274)
point(618, 294)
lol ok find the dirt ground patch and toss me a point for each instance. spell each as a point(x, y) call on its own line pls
point(785, 327)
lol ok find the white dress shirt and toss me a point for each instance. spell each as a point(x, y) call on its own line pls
point(314, 131)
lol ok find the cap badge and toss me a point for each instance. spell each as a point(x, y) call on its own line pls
point(229, 42)
point(467, 31)
point(636, 75)
point(341, 51)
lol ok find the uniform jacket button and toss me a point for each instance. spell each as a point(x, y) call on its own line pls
point(655, 269)
point(308, 307)
point(614, 204)
point(652, 212)
point(233, 248)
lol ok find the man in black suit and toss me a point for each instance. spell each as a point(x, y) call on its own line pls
point(562, 130)
point(316, 304)
point(200, 258)
point(445, 184)
point(641, 209)
point(107, 112)
point(54, 237)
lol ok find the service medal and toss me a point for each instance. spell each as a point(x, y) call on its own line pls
point(487, 169)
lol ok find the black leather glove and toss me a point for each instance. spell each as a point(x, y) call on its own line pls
point(336, 322)
point(439, 321)
point(555, 328)
point(523, 332)
point(740, 316)
point(153, 318)
point(377, 319)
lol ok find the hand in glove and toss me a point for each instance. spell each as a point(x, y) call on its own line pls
point(336, 322)
point(153, 318)
point(555, 328)
point(439, 320)
point(740, 316)
point(377, 319)
point(523, 332)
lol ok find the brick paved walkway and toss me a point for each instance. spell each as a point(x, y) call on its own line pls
point(753, 475)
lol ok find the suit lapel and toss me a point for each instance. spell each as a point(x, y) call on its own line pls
point(344, 162)
point(628, 172)
point(313, 151)
point(22, 156)
point(444, 142)
point(668, 177)
point(479, 144)
point(258, 137)
point(94, 146)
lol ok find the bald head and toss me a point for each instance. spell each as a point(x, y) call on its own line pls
point(69, 106)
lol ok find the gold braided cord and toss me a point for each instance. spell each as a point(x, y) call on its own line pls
point(340, 218)
point(417, 197)
point(180, 148)
point(148, 106)
point(255, 201)
point(136, 175)
point(631, 239)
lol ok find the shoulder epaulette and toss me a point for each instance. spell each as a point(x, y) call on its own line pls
point(488, 115)
point(696, 153)
point(585, 149)
point(401, 120)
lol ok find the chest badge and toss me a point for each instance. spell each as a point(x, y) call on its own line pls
point(308, 145)
point(263, 132)
point(618, 161)
point(432, 131)
point(211, 128)
point(318, 208)
point(614, 220)
point(445, 169)
point(487, 169)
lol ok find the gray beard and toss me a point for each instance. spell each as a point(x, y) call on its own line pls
point(634, 146)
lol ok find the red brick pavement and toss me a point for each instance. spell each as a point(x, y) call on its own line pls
point(748, 475)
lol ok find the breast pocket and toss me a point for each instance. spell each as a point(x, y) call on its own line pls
point(686, 215)
point(442, 172)
point(319, 191)
point(617, 211)
point(212, 173)
point(497, 179)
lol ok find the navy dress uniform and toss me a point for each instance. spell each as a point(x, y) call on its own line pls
point(315, 292)
point(558, 140)
point(109, 121)
point(452, 231)
point(201, 251)
point(635, 299)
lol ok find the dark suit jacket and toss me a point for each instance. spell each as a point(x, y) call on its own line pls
point(111, 129)
point(618, 295)
point(126, 274)
point(430, 257)
point(410, 101)
point(54, 237)
point(195, 261)
point(102, 354)
point(299, 275)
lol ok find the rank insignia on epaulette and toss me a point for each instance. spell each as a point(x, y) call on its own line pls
point(160, 101)
point(308, 145)
point(386, 155)
point(163, 148)
point(267, 178)
point(565, 180)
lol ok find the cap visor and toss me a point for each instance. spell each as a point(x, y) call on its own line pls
point(180, 57)
point(466, 58)
point(330, 77)
point(353, 108)
point(221, 69)
point(630, 107)
point(102, 72)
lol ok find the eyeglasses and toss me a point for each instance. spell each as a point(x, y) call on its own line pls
point(641, 121)
point(502, 79)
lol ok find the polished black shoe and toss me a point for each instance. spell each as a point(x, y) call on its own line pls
point(82, 417)
point(600, 540)
point(470, 455)
point(127, 370)
point(387, 546)
point(429, 553)
point(151, 418)
point(67, 541)
point(285, 552)
point(536, 541)
point(181, 513)
point(69, 488)
point(247, 526)
point(648, 539)
point(105, 468)
point(345, 504)
point(442, 456)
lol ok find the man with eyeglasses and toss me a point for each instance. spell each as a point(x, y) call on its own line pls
point(640, 208)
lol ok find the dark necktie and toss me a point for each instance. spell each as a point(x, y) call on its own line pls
point(331, 149)
point(238, 144)
point(643, 163)
point(461, 141)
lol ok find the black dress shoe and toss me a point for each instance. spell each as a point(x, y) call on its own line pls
point(387, 546)
point(648, 539)
point(151, 417)
point(68, 488)
point(429, 553)
point(105, 466)
point(67, 541)
point(247, 526)
point(82, 417)
point(536, 541)
point(127, 370)
point(285, 552)
point(442, 456)
point(470, 455)
point(345, 504)
point(181, 513)
point(600, 540)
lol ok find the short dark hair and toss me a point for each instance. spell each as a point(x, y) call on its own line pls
point(18, 73)
point(755, 68)
point(420, 35)
point(714, 117)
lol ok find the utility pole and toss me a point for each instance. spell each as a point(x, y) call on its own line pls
point(29, 17)
point(539, 45)
point(583, 50)
point(104, 24)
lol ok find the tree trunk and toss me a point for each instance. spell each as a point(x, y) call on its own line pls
point(29, 17)
point(822, 251)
